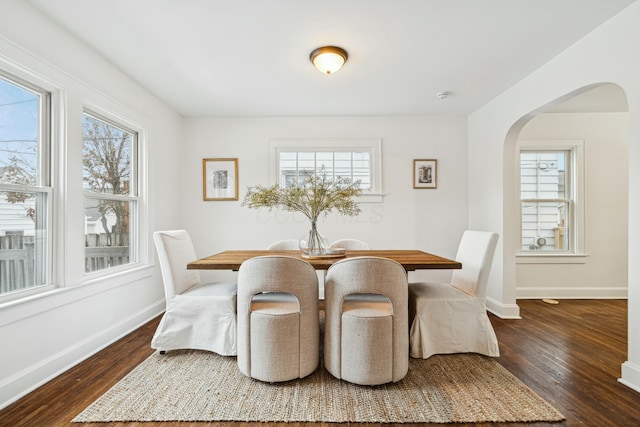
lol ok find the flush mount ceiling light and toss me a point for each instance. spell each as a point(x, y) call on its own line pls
point(328, 59)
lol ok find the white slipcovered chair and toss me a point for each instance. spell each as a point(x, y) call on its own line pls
point(452, 317)
point(198, 315)
point(350, 244)
point(366, 326)
point(278, 323)
point(284, 245)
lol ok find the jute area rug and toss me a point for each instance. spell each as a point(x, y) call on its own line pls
point(201, 386)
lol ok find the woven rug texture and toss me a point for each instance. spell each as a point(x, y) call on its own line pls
point(195, 385)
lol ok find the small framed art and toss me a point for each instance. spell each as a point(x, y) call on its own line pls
point(425, 173)
point(219, 179)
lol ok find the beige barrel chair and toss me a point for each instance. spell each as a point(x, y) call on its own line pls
point(366, 330)
point(278, 323)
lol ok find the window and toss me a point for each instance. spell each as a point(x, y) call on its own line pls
point(295, 165)
point(111, 193)
point(357, 160)
point(25, 191)
point(550, 196)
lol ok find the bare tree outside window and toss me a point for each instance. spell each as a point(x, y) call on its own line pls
point(24, 185)
point(107, 175)
point(107, 169)
point(18, 143)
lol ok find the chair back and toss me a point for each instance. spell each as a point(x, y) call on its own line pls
point(284, 245)
point(278, 273)
point(366, 275)
point(475, 252)
point(350, 244)
point(175, 251)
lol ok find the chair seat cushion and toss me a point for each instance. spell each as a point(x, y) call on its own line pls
point(367, 305)
point(276, 303)
point(203, 318)
point(436, 291)
point(445, 320)
point(212, 289)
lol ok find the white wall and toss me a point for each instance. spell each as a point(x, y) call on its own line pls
point(603, 273)
point(44, 335)
point(431, 220)
point(608, 54)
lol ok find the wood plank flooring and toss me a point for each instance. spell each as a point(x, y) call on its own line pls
point(570, 354)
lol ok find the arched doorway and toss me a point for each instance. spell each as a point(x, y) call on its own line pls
point(596, 267)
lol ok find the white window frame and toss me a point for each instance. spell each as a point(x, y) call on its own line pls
point(136, 253)
point(44, 185)
point(576, 253)
point(371, 145)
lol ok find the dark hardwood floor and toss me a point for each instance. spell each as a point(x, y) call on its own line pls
point(570, 354)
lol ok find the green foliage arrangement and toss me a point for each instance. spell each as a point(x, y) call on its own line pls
point(318, 194)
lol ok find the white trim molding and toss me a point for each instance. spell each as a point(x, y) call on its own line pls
point(630, 375)
point(503, 311)
point(535, 292)
point(27, 380)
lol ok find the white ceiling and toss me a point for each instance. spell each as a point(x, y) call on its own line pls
point(251, 57)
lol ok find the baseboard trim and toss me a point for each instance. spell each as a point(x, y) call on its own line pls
point(27, 380)
point(503, 311)
point(571, 293)
point(630, 376)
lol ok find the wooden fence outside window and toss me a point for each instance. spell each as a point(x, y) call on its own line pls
point(17, 258)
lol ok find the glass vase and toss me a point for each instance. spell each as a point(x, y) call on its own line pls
point(313, 243)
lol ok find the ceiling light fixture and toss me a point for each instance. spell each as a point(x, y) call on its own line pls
point(328, 59)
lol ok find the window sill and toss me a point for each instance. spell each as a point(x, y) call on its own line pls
point(550, 258)
point(51, 298)
point(369, 198)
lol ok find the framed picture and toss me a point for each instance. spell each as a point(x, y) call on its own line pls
point(220, 179)
point(425, 173)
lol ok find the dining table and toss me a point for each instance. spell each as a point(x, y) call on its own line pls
point(410, 259)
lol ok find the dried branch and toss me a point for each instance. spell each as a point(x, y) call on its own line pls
point(317, 195)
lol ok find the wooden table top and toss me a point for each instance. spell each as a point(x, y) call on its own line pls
point(410, 259)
